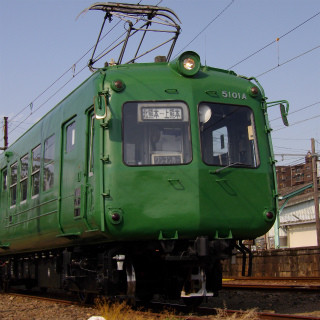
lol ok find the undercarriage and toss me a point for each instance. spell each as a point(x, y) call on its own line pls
point(174, 269)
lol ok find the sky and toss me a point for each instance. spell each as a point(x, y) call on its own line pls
point(43, 51)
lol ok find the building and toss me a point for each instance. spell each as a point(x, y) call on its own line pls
point(297, 217)
point(292, 176)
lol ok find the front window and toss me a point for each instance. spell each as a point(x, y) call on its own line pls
point(227, 135)
point(156, 133)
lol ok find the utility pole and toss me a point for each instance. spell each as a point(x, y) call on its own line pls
point(5, 135)
point(315, 189)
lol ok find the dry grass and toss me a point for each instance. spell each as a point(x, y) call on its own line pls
point(247, 315)
point(122, 311)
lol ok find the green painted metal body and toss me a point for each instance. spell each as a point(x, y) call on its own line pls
point(153, 202)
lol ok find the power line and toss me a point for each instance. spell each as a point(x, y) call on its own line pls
point(269, 44)
point(56, 81)
point(17, 126)
point(294, 58)
point(303, 108)
point(214, 19)
point(298, 122)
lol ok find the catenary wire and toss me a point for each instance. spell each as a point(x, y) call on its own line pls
point(214, 19)
point(299, 122)
point(56, 81)
point(290, 60)
point(301, 109)
point(269, 44)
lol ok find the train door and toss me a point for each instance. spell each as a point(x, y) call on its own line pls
point(91, 174)
point(72, 178)
point(3, 196)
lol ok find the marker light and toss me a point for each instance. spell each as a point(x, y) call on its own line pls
point(118, 85)
point(268, 215)
point(253, 91)
point(115, 216)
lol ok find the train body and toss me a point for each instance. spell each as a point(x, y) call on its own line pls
point(139, 182)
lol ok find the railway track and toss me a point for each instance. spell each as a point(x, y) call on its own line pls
point(201, 312)
point(294, 283)
point(157, 309)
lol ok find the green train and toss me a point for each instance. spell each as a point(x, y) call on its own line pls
point(138, 183)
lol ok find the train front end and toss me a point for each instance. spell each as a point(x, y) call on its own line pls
point(190, 170)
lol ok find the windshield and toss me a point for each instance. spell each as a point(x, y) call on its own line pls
point(227, 135)
point(156, 133)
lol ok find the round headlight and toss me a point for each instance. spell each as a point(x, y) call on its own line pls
point(189, 63)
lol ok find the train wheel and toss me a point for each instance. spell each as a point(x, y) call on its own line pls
point(85, 297)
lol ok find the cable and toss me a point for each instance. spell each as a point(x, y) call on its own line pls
point(214, 19)
point(298, 122)
point(47, 100)
point(269, 44)
point(294, 58)
point(59, 78)
point(293, 112)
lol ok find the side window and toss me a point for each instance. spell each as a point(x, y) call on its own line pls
point(35, 174)
point(13, 184)
point(4, 180)
point(48, 158)
point(71, 137)
point(24, 177)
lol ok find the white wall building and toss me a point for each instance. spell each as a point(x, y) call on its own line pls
point(297, 224)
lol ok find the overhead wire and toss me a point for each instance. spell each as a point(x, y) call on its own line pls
point(290, 60)
point(301, 109)
point(214, 19)
point(272, 42)
point(17, 126)
point(299, 122)
point(72, 68)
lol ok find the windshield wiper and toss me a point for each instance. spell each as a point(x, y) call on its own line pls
point(228, 166)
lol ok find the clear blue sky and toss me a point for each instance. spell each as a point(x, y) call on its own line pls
point(40, 40)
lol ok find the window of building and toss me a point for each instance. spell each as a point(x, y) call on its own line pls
point(71, 137)
point(24, 177)
point(35, 175)
point(13, 183)
point(48, 157)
